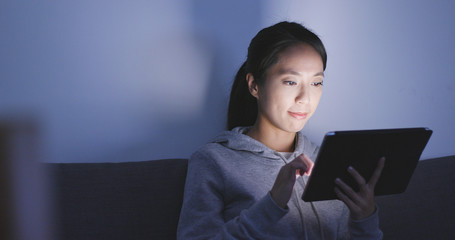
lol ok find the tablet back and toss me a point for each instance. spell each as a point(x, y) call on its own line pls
point(362, 150)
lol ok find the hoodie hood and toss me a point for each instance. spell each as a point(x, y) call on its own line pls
point(236, 139)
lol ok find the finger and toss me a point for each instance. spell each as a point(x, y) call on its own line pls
point(344, 198)
point(298, 169)
point(377, 173)
point(307, 161)
point(347, 190)
point(302, 163)
point(309, 164)
point(357, 177)
point(287, 173)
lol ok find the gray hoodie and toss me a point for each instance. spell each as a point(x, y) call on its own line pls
point(227, 196)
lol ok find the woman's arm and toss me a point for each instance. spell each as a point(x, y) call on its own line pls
point(202, 217)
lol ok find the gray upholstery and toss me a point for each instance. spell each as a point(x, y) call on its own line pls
point(142, 200)
point(133, 200)
point(426, 210)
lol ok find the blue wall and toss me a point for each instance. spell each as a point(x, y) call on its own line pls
point(138, 80)
point(389, 65)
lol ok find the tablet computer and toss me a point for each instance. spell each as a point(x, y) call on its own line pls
point(362, 150)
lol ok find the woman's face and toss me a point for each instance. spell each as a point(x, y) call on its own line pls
point(291, 91)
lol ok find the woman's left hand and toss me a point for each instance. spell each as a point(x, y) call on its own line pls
point(361, 204)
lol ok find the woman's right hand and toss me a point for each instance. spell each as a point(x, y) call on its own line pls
point(284, 184)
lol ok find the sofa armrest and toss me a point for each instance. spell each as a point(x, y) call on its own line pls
point(131, 200)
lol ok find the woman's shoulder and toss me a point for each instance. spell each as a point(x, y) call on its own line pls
point(209, 150)
point(206, 156)
point(214, 150)
point(232, 145)
point(226, 141)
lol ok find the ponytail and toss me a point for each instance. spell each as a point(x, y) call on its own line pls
point(243, 108)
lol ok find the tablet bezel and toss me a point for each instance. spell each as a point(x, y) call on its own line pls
point(362, 149)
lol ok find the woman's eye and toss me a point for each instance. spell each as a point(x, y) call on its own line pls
point(317, 84)
point(290, 83)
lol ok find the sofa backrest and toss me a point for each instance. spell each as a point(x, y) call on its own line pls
point(426, 209)
point(142, 200)
point(131, 200)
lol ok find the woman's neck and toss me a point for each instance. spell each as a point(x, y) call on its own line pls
point(275, 139)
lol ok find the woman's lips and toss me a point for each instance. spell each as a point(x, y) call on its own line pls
point(298, 115)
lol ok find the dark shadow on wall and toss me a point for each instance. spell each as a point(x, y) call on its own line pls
point(227, 26)
point(224, 29)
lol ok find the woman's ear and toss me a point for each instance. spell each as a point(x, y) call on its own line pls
point(252, 85)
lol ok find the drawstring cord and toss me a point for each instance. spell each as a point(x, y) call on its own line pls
point(302, 219)
point(317, 216)
point(300, 209)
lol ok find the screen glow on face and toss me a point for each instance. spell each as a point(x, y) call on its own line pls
point(292, 89)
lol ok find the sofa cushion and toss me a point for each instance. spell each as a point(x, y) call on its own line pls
point(426, 209)
point(131, 200)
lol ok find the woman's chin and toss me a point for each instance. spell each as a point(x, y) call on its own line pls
point(295, 129)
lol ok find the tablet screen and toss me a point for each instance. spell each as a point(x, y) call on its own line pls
point(362, 150)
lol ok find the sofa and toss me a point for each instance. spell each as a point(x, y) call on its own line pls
point(142, 200)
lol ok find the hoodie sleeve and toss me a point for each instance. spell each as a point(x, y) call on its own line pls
point(365, 229)
point(201, 216)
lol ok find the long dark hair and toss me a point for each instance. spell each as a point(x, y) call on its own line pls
point(262, 55)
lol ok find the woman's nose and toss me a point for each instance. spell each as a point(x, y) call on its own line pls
point(303, 95)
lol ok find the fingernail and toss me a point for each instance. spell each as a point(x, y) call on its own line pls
point(350, 168)
point(337, 180)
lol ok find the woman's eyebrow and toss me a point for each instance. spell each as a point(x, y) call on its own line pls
point(292, 72)
point(321, 74)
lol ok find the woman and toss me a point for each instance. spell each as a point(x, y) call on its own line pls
point(247, 183)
